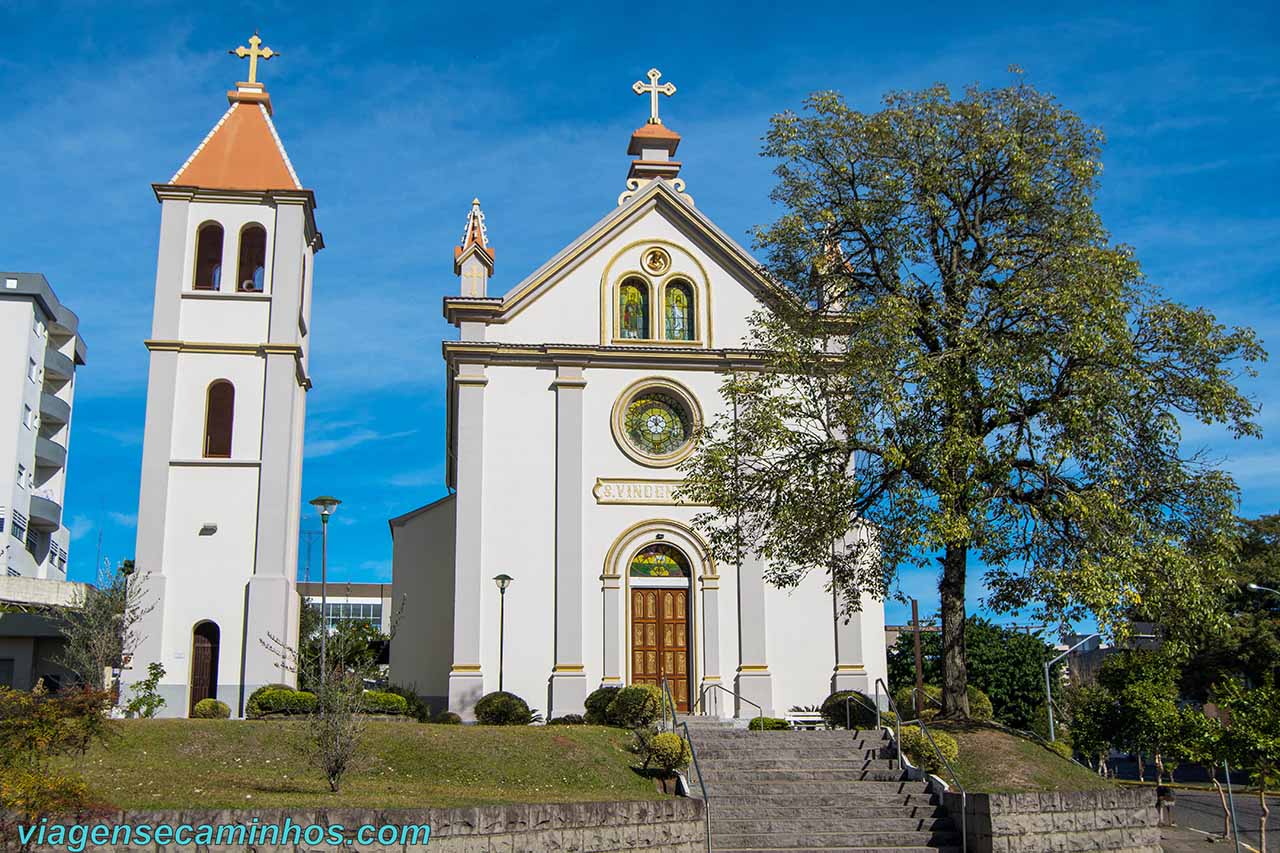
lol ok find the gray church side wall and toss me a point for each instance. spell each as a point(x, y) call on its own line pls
point(1121, 820)
point(658, 826)
point(422, 572)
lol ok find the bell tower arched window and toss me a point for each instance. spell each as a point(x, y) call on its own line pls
point(219, 416)
point(633, 309)
point(253, 259)
point(678, 306)
point(208, 272)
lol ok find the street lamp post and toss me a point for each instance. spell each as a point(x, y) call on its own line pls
point(1253, 587)
point(503, 581)
point(326, 505)
point(1048, 687)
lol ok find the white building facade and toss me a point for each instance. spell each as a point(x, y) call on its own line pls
point(40, 349)
point(572, 399)
point(220, 494)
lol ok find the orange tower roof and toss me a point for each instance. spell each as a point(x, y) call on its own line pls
point(475, 238)
point(242, 152)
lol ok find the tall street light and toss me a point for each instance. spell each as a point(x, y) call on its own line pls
point(1048, 688)
point(1253, 587)
point(326, 505)
point(503, 581)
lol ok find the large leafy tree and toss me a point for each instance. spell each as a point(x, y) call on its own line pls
point(971, 368)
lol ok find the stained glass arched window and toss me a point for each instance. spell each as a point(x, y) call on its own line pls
point(679, 309)
point(660, 561)
point(633, 309)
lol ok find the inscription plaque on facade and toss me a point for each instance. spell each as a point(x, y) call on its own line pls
point(627, 491)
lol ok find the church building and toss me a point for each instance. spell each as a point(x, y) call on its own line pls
point(562, 561)
point(220, 494)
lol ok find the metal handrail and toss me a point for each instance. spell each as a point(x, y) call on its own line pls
point(706, 801)
point(665, 698)
point(739, 696)
point(897, 716)
point(964, 795)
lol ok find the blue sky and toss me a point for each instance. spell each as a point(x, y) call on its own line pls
point(397, 114)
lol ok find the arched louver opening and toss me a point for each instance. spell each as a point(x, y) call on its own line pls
point(253, 259)
point(208, 267)
point(218, 419)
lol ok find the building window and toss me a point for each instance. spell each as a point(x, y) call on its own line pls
point(218, 418)
point(660, 561)
point(31, 369)
point(678, 304)
point(28, 419)
point(253, 259)
point(22, 475)
point(208, 257)
point(338, 612)
point(633, 309)
point(2, 520)
point(19, 530)
point(655, 422)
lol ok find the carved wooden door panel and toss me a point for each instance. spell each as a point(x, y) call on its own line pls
point(660, 640)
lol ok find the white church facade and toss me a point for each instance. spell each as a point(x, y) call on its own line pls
point(572, 399)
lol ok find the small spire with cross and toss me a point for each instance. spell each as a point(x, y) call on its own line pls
point(653, 90)
point(254, 52)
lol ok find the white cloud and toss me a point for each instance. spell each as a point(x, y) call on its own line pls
point(124, 519)
point(355, 438)
point(80, 527)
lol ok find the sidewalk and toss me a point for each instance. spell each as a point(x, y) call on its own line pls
point(1181, 839)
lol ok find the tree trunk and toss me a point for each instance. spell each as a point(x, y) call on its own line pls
point(955, 677)
point(1142, 768)
point(1222, 797)
point(1262, 820)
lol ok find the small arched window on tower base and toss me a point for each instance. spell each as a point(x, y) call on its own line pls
point(219, 416)
point(208, 267)
point(253, 259)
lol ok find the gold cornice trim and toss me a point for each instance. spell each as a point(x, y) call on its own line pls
point(754, 668)
point(464, 668)
point(553, 355)
point(850, 667)
point(569, 667)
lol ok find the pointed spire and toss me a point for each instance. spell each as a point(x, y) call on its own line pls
point(473, 258)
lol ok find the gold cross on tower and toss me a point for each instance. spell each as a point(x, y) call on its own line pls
point(254, 53)
point(653, 90)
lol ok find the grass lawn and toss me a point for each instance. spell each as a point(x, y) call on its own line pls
point(997, 762)
point(256, 764)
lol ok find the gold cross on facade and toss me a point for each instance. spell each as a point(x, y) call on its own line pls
point(653, 90)
point(254, 53)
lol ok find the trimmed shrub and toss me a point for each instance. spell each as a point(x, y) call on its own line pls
point(597, 705)
point(859, 713)
point(1061, 746)
point(252, 709)
point(447, 718)
point(769, 724)
point(418, 709)
point(635, 707)
point(566, 720)
point(210, 709)
point(285, 701)
point(916, 746)
point(668, 751)
point(500, 708)
point(379, 702)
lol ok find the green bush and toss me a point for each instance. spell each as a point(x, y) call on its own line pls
point(502, 709)
point(860, 713)
point(418, 709)
point(918, 750)
point(447, 718)
point(669, 752)
point(566, 720)
point(597, 705)
point(379, 702)
point(210, 709)
point(769, 724)
point(980, 707)
point(252, 708)
point(635, 707)
point(284, 701)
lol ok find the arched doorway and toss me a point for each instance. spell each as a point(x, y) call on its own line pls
point(659, 576)
point(204, 663)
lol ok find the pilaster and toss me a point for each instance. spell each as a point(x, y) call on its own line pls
point(714, 704)
point(612, 591)
point(850, 671)
point(466, 678)
point(568, 678)
point(754, 681)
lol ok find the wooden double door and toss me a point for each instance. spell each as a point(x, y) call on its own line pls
point(660, 640)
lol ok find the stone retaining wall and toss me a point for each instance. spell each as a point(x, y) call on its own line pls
point(1122, 821)
point(658, 826)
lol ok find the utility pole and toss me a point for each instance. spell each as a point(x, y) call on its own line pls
point(915, 626)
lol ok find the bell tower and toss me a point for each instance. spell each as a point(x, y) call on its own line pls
point(220, 492)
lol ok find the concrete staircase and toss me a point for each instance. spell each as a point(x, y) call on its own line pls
point(836, 791)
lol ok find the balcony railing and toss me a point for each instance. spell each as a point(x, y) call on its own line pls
point(49, 453)
point(58, 365)
point(54, 409)
point(46, 512)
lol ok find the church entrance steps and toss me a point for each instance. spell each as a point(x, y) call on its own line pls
point(815, 791)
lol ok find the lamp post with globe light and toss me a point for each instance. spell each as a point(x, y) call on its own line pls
point(326, 505)
point(503, 581)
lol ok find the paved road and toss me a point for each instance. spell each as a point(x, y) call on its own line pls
point(1203, 810)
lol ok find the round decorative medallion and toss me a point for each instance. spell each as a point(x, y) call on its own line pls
point(655, 422)
point(657, 261)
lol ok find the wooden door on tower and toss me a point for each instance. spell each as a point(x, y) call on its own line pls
point(660, 640)
point(204, 663)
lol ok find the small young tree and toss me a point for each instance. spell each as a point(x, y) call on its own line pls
point(1094, 722)
point(1253, 739)
point(101, 625)
point(1201, 741)
point(146, 701)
